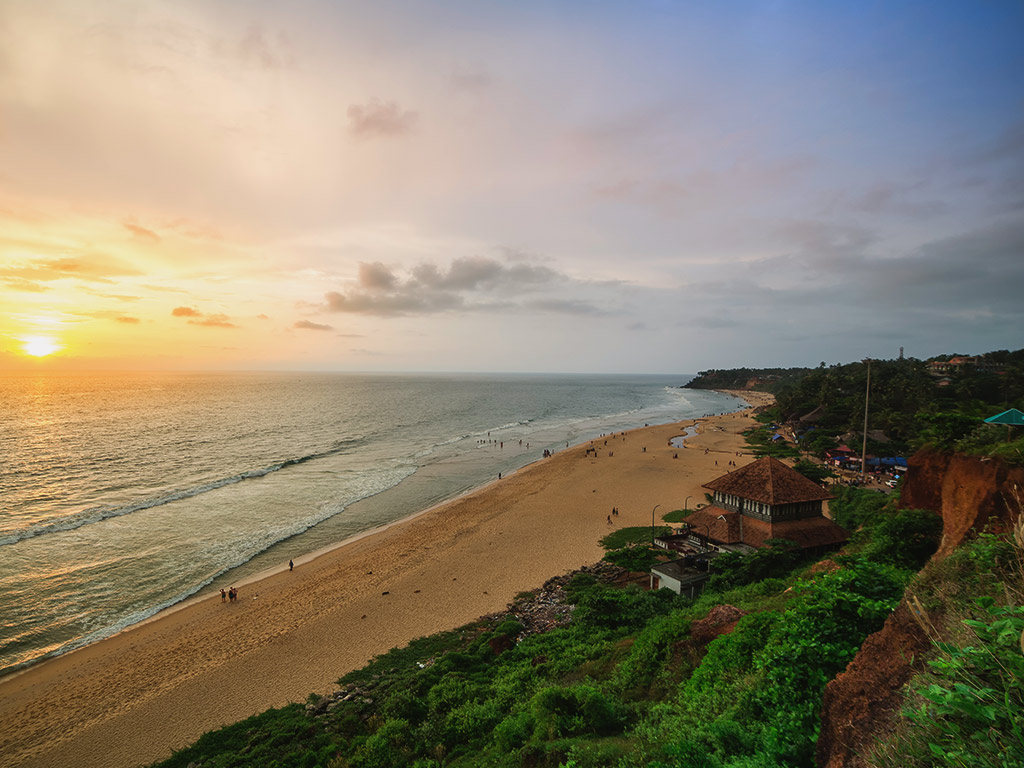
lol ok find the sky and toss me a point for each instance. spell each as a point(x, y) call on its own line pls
point(574, 186)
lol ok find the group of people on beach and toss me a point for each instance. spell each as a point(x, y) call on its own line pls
point(231, 594)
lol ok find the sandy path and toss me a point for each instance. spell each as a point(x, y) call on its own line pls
point(132, 698)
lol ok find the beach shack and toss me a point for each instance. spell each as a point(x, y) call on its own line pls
point(765, 500)
point(682, 576)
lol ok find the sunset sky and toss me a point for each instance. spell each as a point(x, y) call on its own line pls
point(577, 186)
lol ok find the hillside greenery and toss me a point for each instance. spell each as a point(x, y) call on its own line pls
point(908, 407)
point(624, 684)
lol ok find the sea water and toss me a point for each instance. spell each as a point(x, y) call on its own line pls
point(123, 495)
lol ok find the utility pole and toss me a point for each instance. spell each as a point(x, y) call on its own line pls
point(864, 445)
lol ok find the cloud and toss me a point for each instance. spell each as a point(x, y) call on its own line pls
point(209, 321)
point(214, 321)
point(20, 284)
point(566, 307)
point(472, 79)
point(391, 305)
point(141, 232)
point(470, 283)
point(311, 326)
point(90, 267)
point(895, 199)
point(127, 320)
point(379, 119)
point(375, 277)
point(264, 50)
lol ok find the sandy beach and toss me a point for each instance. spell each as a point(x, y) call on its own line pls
point(132, 698)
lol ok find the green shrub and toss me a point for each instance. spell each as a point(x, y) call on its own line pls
point(813, 471)
point(625, 537)
point(514, 731)
point(633, 559)
point(815, 638)
point(387, 748)
point(906, 538)
point(853, 507)
point(628, 608)
point(650, 652)
point(731, 569)
point(581, 709)
point(972, 714)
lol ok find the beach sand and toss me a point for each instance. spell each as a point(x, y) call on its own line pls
point(132, 698)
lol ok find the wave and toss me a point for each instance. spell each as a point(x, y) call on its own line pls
point(98, 514)
point(468, 435)
point(258, 546)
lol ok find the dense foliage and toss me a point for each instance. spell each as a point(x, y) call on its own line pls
point(763, 379)
point(909, 405)
point(967, 710)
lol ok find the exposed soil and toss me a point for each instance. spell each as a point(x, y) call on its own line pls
point(971, 494)
point(859, 703)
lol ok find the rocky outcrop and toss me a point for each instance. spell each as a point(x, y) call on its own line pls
point(971, 493)
point(865, 696)
point(721, 620)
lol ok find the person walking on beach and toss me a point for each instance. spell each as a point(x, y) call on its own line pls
point(223, 595)
point(291, 566)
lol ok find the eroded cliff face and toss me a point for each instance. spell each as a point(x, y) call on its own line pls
point(971, 494)
point(858, 702)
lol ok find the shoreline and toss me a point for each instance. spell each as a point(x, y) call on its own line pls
point(304, 558)
point(161, 683)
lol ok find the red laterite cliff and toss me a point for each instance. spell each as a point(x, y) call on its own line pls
point(971, 494)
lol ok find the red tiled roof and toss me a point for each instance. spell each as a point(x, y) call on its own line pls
point(723, 527)
point(770, 481)
point(705, 521)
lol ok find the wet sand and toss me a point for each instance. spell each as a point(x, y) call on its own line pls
point(132, 698)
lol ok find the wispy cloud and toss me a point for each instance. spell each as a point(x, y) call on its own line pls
point(214, 321)
point(98, 268)
point(379, 119)
point(309, 325)
point(141, 232)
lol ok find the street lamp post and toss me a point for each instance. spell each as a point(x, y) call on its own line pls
point(652, 523)
point(686, 504)
point(864, 444)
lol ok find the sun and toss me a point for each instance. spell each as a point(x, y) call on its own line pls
point(40, 346)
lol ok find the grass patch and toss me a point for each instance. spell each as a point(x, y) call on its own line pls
point(625, 537)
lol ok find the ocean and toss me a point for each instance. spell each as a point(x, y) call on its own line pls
point(123, 495)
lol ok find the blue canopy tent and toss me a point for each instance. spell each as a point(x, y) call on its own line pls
point(1011, 418)
point(888, 461)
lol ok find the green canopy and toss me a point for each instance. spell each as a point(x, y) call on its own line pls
point(1011, 418)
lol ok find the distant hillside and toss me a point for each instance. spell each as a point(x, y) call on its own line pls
point(763, 379)
point(941, 402)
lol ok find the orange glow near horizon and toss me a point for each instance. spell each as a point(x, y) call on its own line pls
point(40, 346)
